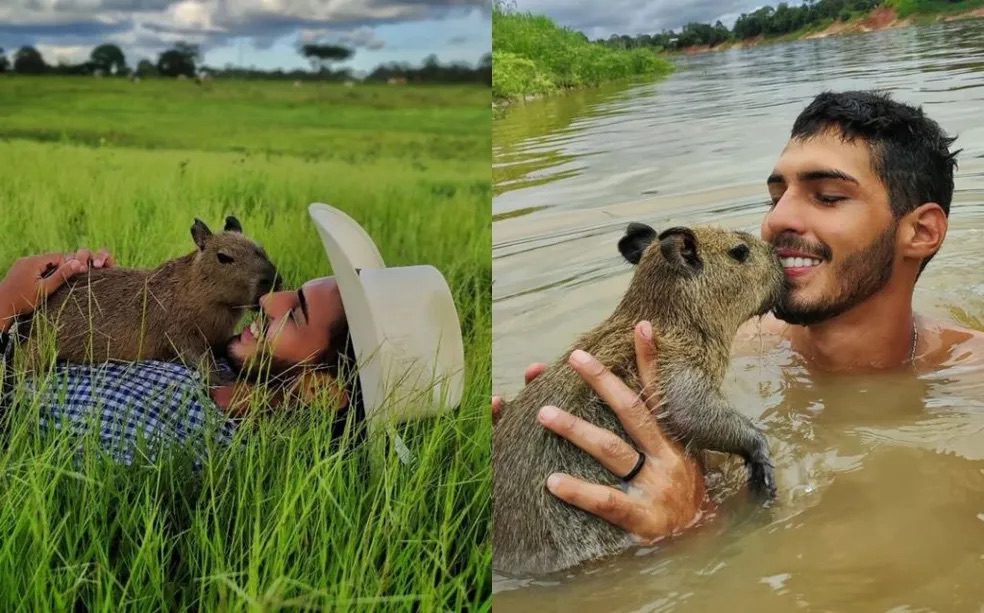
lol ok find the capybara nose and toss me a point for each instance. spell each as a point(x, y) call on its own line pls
point(270, 282)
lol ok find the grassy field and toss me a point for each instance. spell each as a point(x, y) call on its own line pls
point(287, 519)
point(533, 55)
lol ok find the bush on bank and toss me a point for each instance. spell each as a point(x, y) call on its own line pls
point(533, 55)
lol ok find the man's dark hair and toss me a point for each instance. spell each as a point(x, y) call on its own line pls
point(909, 151)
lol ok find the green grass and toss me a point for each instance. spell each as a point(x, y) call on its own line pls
point(906, 8)
point(286, 519)
point(533, 55)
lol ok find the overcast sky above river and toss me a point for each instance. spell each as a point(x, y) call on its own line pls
point(602, 19)
point(261, 33)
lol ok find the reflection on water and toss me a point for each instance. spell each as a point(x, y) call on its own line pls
point(881, 476)
point(527, 138)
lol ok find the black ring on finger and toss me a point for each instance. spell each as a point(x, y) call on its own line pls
point(635, 469)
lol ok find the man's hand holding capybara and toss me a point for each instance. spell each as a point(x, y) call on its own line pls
point(667, 494)
point(33, 278)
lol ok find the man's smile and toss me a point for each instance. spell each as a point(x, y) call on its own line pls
point(254, 330)
point(797, 263)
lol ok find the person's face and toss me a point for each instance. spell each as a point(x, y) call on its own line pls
point(295, 328)
point(832, 227)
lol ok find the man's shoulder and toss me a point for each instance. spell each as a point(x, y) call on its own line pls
point(948, 341)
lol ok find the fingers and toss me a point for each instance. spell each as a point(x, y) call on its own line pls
point(611, 451)
point(628, 405)
point(645, 352)
point(533, 371)
point(103, 259)
point(66, 271)
point(100, 259)
point(83, 255)
point(613, 506)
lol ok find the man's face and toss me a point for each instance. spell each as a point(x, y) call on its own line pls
point(295, 328)
point(831, 225)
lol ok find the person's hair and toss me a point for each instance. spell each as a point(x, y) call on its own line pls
point(910, 153)
point(337, 338)
point(340, 361)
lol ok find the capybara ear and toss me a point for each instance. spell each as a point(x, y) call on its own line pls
point(200, 233)
point(680, 248)
point(233, 225)
point(637, 237)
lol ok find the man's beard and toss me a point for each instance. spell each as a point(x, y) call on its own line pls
point(858, 276)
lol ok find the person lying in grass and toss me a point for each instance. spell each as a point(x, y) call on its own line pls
point(397, 354)
point(293, 347)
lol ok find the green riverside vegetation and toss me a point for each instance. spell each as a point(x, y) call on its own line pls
point(285, 518)
point(906, 8)
point(783, 21)
point(533, 55)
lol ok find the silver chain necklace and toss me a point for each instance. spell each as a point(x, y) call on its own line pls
point(915, 339)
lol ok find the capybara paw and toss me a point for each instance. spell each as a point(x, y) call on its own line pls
point(762, 480)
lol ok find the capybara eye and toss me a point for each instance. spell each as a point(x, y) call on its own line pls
point(739, 253)
point(225, 259)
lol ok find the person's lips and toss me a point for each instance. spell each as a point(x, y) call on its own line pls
point(253, 331)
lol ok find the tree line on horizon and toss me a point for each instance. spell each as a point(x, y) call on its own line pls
point(185, 60)
point(768, 21)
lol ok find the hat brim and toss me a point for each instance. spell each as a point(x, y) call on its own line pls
point(349, 249)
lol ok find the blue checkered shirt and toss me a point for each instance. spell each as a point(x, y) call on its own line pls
point(138, 407)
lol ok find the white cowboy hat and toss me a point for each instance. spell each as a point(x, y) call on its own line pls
point(403, 324)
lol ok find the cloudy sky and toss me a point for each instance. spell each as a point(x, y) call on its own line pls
point(601, 19)
point(261, 33)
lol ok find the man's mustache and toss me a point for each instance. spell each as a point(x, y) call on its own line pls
point(788, 240)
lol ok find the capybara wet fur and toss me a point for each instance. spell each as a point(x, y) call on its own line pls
point(179, 311)
point(696, 286)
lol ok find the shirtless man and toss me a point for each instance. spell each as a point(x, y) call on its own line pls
point(860, 198)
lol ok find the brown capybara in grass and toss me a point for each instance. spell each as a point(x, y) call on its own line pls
point(180, 310)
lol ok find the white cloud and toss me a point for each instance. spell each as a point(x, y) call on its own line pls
point(601, 19)
point(145, 27)
point(191, 14)
point(64, 54)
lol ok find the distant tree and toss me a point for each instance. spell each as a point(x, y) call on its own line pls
point(28, 60)
point(178, 61)
point(109, 58)
point(484, 71)
point(721, 33)
point(146, 68)
point(4, 64)
point(63, 68)
point(321, 56)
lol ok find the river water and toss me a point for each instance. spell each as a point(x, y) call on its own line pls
point(881, 477)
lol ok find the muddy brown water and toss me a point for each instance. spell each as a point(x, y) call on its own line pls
point(881, 477)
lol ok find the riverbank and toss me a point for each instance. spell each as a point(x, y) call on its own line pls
point(899, 15)
point(533, 56)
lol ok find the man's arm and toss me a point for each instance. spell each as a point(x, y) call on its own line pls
point(32, 279)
